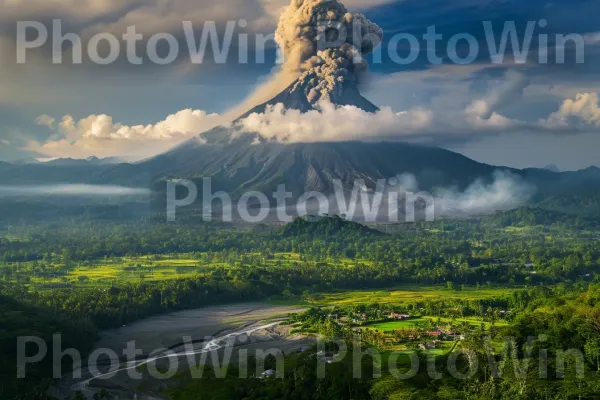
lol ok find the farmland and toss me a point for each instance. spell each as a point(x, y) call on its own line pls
point(423, 322)
point(109, 271)
point(412, 294)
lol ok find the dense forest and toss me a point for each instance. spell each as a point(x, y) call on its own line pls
point(526, 248)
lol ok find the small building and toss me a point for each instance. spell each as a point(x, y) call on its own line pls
point(399, 317)
point(270, 373)
point(427, 346)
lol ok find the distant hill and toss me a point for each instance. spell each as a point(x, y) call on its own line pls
point(534, 216)
point(326, 227)
point(85, 161)
point(552, 167)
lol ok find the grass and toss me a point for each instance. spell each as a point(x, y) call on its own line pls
point(423, 322)
point(393, 325)
point(151, 268)
point(409, 294)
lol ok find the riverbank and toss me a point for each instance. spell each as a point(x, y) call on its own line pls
point(178, 339)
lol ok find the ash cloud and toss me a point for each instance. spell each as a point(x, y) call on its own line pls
point(323, 46)
point(325, 43)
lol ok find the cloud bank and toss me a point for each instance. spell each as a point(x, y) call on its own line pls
point(99, 135)
point(332, 123)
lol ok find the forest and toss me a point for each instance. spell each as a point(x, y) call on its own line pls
point(536, 260)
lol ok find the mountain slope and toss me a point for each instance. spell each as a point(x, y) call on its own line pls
point(294, 98)
point(241, 166)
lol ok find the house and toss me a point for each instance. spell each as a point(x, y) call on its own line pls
point(399, 317)
point(427, 346)
point(268, 374)
point(436, 334)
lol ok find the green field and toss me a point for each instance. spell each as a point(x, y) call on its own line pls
point(151, 268)
point(423, 321)
point(410, 294)
point(393, 325)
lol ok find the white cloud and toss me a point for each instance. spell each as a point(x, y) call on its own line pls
point(591, 39)
point(335, 124)
point(583, 108)
point(159, 16)
point(80, 10)
point(510, 90)
point(45, 120)
point(98, 135)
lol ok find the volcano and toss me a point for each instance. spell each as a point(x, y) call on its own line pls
point(238, 161)
point(295, 97)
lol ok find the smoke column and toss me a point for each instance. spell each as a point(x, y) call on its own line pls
point(303, 32)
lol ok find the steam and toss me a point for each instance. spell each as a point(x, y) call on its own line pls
point(505, 192)
point(404, 201)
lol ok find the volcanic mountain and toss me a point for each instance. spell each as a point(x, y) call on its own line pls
point(239, 162)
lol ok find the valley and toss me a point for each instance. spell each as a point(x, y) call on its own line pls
point(430, 289)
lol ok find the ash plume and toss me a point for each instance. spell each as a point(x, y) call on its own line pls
point(325, 43)
point(323, 47)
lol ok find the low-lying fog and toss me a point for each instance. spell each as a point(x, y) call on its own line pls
point(71, 190)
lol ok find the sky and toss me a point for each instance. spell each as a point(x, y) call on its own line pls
point(519, 112)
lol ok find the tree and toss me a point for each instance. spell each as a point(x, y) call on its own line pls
point(592, 351)
point(307, 296)
point(78, 395)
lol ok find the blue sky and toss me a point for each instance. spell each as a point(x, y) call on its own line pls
point(522, 115)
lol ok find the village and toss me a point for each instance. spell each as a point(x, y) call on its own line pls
point(393, 330)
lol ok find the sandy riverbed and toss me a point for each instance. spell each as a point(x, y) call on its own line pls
point(251, 326)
